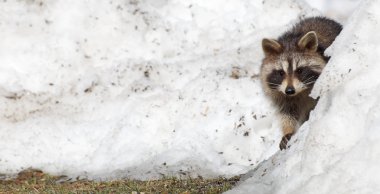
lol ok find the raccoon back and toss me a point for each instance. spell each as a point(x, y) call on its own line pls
point(326, 29)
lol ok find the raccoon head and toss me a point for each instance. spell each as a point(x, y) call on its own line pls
point(291, 67)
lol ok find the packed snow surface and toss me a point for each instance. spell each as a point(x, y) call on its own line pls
point(137, 89)
point(153, 88)
point(338, 149)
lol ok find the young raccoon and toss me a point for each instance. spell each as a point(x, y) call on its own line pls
point(291, 65)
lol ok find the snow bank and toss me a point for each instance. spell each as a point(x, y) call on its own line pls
point(340, 10)
point(338, 149)
point(137, 89)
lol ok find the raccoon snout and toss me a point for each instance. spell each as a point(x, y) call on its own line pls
point(290, 90)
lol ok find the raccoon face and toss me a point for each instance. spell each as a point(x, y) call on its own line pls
point(291, 72)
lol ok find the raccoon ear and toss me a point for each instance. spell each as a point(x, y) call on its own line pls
point(309, 41)
point(271, 47)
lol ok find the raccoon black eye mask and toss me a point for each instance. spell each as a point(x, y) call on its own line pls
point(291, 66)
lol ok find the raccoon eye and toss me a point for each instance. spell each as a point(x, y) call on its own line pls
point(299, 70)
point(281, 72)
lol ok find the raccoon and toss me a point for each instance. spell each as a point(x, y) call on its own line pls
point(291, 66)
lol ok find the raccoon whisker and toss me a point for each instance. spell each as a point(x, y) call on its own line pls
point(273, 86)
point(308, 83)
point(310, 78)
point(270, 83)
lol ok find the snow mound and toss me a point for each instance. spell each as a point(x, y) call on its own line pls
point(136, 89)
point(338, 149)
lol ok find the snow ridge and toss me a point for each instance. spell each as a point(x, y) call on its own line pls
point(337, 150)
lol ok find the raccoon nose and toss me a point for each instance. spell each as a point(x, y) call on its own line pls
point(290, 90)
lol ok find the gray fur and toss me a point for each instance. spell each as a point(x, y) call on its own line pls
point(295, 60)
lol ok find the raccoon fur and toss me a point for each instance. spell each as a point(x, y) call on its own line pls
point(291, 66)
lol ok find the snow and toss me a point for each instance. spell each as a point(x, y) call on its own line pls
point(337, 150)
point(157, 88)
point(340, 10)
point(136, 89)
